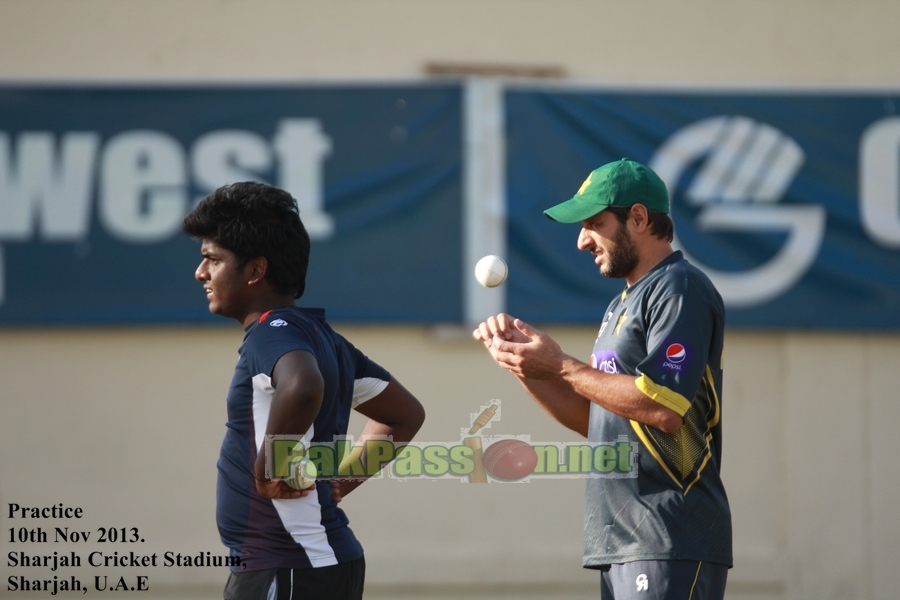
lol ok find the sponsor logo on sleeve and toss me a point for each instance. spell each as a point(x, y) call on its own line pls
point(676, 357)
point(744, 169)
point(675, 353)
point(278, 323)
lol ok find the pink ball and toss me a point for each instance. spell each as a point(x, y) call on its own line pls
point(510, 459)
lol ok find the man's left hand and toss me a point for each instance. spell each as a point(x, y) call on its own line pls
point(533, 354)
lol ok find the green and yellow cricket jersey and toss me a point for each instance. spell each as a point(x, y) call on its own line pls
point(667, 330)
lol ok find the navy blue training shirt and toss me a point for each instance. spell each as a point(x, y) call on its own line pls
point(304, 532)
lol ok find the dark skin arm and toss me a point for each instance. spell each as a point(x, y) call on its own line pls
point(393, 413)
point(299, 389)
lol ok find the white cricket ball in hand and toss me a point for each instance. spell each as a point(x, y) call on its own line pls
point(303, 474)
point(491, 271)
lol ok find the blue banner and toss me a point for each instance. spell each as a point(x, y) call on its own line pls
point(94, 183)
point(789, 201)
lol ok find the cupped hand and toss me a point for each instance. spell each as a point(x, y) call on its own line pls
point(280, 489)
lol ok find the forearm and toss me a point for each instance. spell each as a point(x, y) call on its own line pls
point(292, 413)
point(394, 414)
point(556, 380)
point(400, 434)
point(617, 393)
point(296, 400)
point(560, 401)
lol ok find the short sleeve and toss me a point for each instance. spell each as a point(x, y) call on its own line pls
point(370, 378)
point(274, 336)
point(679, 336)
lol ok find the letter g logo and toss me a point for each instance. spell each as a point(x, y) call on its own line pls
point(642, 583)
point(746, 168)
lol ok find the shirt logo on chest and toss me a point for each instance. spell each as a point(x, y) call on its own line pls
point(621, 321)
point(606, 361)
point(604, 324)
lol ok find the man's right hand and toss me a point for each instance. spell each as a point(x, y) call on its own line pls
point(280, 489)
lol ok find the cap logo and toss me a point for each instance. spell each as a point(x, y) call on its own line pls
point(584, 185)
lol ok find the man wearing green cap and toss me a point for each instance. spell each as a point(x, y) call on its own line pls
point(654, 379)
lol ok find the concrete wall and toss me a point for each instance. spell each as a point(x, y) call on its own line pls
point(126, 423)
point(686, 41)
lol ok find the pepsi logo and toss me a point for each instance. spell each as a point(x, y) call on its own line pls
point(675, 353)
point(609, 366)
point(605, 360)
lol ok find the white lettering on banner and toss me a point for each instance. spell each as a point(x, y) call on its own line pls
point(748, 168)
point(144, 176)
point(302, 148)
point(39, 184)
point(229, 155)
point(142, 186)
point(879, 181)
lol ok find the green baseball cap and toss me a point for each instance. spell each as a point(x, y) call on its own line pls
point(620, 183)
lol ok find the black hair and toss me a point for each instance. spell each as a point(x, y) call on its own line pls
point(660, 224)
point(254, 219)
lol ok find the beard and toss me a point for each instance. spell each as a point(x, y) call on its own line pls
point(623, 257)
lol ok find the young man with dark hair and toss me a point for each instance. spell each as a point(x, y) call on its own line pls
point(654, 382)
point(295, 376)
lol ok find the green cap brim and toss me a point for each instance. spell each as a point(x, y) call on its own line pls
point(574, 210)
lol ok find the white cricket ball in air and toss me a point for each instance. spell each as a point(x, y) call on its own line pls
point(491, 271)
